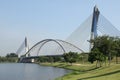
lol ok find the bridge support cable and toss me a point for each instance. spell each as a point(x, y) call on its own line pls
point(48, 40)
point(79, 40)
point(106, 27)
point(52, 47)
point(20, 48)
point(81, 36)
point(70, 44)
point(23, 48)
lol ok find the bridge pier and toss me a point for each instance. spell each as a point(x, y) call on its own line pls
point(26, 60)
point(32, 60)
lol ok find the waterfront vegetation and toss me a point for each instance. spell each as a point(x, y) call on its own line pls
point(88, 71)
point(102, 63)
point(11, 57)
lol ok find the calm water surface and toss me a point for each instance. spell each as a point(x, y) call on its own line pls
point(20, 71)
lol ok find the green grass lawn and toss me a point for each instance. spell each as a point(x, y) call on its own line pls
point(89, 72)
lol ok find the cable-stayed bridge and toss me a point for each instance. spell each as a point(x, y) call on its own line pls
point(79, 41)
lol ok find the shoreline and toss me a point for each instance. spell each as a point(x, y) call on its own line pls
point(75, 68)
point(87, 71)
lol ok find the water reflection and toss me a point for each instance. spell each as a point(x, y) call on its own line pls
point(19, 71)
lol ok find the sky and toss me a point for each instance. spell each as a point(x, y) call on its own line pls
point(43, 19)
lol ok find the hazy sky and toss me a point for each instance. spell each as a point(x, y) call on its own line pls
point(41, 19)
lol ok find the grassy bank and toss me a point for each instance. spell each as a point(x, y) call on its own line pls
point(88, 71)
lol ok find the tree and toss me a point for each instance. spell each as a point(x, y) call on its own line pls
point(117, 48)
point(57, 58)
point(105, 45)
point(71, 57)
point(11, 55)
point(43, 59)
point(83, 57)
point(96, 55)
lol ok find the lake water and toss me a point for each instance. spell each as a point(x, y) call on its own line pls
point(21, 71)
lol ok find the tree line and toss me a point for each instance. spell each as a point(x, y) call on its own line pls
point(10, 57)
point(70, 57)
point(104, 49)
